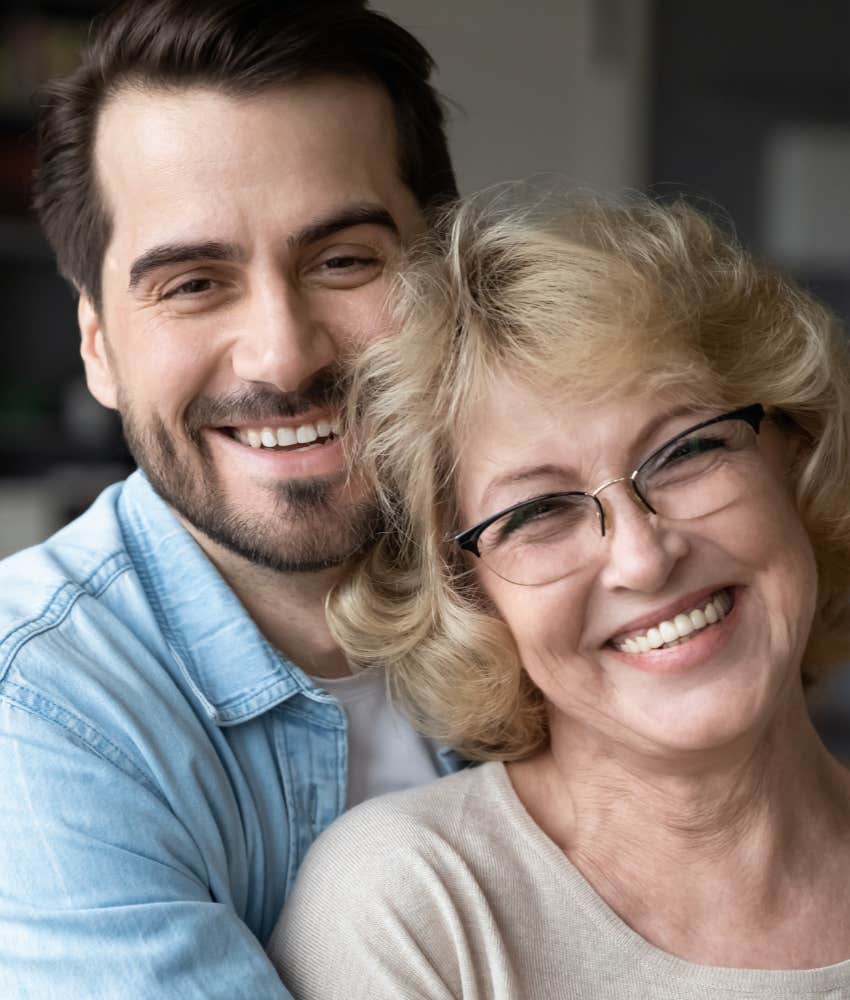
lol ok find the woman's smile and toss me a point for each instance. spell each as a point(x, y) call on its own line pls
point(692, 585)
point(688, 640)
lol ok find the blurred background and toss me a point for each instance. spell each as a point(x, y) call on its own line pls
point(743, 106)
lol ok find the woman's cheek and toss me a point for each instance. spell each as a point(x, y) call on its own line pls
point(548, 636)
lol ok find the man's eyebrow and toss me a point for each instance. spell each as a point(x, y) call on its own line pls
point(181, 253)
point(354, 215)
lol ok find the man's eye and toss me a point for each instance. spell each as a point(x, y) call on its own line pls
point(345, 270)
point(343, 263)
point(194, 286)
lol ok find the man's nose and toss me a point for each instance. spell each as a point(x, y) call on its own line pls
point(280, 342)
point(641, 548)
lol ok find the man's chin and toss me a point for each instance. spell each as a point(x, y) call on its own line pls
point(297, 526)
point(294, 540)
point(310, 554)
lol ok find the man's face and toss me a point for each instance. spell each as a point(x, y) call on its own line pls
point(253, 242)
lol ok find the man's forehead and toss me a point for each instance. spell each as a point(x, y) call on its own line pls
point(322, 111)
point(292, 149)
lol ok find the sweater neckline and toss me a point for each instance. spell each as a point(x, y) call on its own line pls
point(760, 982)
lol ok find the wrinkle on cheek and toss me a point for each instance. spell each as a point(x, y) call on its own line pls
point(550, 664)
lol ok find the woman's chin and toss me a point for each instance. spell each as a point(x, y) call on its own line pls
point(721, 719)
point(671, 713)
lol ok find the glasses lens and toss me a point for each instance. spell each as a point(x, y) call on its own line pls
point(542, 540)
point(699, 472)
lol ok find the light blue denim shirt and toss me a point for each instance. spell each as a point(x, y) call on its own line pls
point(164, 769)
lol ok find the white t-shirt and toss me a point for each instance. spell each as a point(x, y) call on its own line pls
point(385, 753)
point(452, 892)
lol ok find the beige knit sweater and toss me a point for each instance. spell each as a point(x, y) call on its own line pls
point(452, 891)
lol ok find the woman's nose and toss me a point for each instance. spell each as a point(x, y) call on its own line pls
point(641, 549)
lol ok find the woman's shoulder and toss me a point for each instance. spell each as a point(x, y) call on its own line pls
point(380, 896)
point(432, 830)
point(442, 812)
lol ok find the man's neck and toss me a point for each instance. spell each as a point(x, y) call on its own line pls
point(288, 608)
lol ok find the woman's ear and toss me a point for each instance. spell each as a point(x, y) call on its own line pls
point(100, 376)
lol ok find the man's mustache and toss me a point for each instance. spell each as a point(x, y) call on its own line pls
point(255, 404)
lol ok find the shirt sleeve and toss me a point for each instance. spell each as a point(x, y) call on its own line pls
point(373, 917)
point(103, 893)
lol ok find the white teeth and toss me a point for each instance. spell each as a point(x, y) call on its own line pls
point(668, 631)
point(285, 437)
point(654, 638)
point(683, 625)
point(698, 619)
point(305, 434)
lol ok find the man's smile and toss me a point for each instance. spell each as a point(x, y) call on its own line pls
point(289, 436)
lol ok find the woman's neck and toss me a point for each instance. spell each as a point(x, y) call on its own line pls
point(738, 857)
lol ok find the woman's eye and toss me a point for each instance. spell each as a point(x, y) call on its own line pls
point(518, 520)
point(553, 513)
point(691, 448)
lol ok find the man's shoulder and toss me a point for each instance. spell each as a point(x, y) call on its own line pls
point(73, 616)
point(73, 554)
point(39, 585)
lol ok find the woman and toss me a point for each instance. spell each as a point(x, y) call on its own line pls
point(614, 452)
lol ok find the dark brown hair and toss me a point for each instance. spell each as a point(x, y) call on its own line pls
point(241, 47)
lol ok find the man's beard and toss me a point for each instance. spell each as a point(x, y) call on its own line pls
point(309, 524)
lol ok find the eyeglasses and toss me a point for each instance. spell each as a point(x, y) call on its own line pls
point(697, 472)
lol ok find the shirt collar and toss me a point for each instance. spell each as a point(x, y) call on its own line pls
point(235, 673)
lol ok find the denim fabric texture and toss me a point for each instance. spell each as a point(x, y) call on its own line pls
point(164, 769)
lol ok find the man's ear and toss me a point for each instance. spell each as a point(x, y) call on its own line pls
point(100, 376)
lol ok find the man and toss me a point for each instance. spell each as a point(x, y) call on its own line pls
point(227, 183)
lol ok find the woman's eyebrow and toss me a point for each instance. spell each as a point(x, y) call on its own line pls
point(524, 475)
point(685, 409)
point(567, 473)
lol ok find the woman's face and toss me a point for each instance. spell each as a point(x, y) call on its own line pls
point(750, 559)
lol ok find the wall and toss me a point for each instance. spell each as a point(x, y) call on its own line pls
point(554, 85)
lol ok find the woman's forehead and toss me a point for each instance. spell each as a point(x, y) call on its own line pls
point(520, 438)
point(514, 412)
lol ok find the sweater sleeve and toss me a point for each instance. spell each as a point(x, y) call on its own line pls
point(385, 907)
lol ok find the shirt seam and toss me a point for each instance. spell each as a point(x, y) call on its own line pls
point(32, 702)
point(57, 609)
point(238, 708)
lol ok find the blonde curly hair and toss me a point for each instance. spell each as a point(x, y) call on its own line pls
point(567, 290)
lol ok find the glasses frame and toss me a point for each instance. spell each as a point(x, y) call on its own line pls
point(469, 538)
